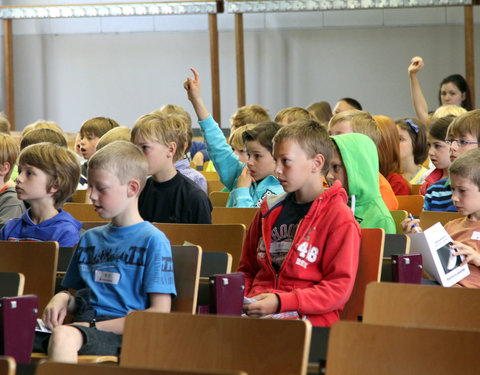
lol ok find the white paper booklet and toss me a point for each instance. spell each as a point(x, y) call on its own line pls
point(435, 246)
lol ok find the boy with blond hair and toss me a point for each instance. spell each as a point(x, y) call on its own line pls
point(10, 206)
point(183, 165)
point(301, 250)
point(126, 265)
point(197, 151)
point(465, 182)
point(168, 196)
point(48, 176)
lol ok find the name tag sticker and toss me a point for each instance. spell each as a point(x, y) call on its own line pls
point(107, 277)
point(476, 236)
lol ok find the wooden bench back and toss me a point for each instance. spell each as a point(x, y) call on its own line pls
point(216, 342)
point(38, 263)
point(422, 306)
point(369, 269)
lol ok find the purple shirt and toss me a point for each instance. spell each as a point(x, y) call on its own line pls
point(183, 166)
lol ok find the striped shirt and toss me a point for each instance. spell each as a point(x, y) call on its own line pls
point(439, 197)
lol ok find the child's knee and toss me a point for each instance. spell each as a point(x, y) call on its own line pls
point(66, 336)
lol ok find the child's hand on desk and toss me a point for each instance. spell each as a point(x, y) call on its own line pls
point(471, 255)
point(267, 303)
point(245, 179)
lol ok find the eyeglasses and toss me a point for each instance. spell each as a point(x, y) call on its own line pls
point(460, 142)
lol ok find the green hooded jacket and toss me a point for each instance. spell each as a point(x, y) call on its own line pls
point(360, 158)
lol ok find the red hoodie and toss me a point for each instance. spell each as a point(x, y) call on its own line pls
point(317, 276)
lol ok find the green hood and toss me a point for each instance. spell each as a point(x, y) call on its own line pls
point(360, 158)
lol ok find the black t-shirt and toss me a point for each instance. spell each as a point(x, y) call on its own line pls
point(284, 229)
point(178, 200)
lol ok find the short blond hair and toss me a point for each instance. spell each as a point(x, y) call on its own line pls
point(291, 114)
point(4, 124)
point(176, 110)
point(157, 127)
point(236, 140)
point(468, 123)
point(447, 110)
point(8, 153)
point(59, 163)
point(124, 160)
point(361, 121)
point(311, 136)
point(249, 114)
point(42, 124)
point(120, 133)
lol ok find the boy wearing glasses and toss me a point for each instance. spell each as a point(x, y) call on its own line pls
point(463, 135)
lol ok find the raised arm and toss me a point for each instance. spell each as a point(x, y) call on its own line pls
point(192, 85)
point(419, 102)
point(224, 159)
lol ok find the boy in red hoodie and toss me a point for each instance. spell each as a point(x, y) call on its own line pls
point(308, 261)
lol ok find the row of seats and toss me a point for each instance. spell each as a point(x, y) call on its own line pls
point(84, 212)
point(406, 329)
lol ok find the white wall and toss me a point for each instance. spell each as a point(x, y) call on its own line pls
point(71, 70)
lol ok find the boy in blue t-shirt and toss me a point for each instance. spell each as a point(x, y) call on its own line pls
point(125, 265)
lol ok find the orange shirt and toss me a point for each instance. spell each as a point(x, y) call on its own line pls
point(388, 195)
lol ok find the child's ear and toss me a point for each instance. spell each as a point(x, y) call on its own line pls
point(318, 163)
point(133, 188)
point(54, 188)
point(4, 169)
point(172, 149)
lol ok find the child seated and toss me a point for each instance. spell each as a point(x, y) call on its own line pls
point(413, 150)
point(356, 121)
point(90, 133)
point(10, 206)
point(48, 176)
point(168, 196)
point(183, 164)
point(126, 265)
point(438, 152)
point(196, 151)
point(389, 155)
point(301, 250)
point(249, 184)
point(355, 165)
point(463, 134)
point(465, 182)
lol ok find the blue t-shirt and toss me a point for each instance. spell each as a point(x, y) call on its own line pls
point(121, 265)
